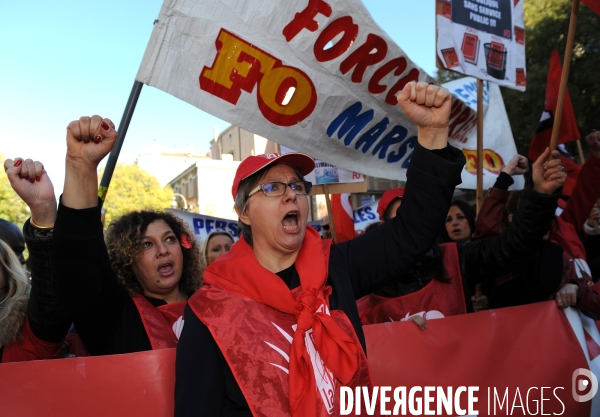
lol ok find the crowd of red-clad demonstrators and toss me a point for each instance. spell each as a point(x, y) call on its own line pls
point(275, 320)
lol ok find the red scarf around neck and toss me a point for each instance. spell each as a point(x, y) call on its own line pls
point(239, 272)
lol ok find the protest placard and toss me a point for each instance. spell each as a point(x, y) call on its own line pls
point(484, 39)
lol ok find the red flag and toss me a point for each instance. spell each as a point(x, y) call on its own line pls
point(593, 4)
point(341, 205)
point(568, 125)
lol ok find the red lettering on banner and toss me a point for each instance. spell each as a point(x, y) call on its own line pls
point(492, 162)
point(398, 65)
point(361, 58)
point(306, 19)
point(240, 65)
point(364, 57)
point(460, 125)
point(390, 98)
point(355, 175)
point(343, 25)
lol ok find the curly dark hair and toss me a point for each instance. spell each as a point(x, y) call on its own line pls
point(124, 243)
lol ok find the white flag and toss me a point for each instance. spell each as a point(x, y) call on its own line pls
point(317, 76)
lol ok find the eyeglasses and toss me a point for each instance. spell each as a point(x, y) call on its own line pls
point(277, 189)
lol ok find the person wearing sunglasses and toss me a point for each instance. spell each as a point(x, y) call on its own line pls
point(275, 329)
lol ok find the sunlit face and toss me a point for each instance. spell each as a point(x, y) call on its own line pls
point(457, 226)
point(217, 246)
point(159, 267)
point(278, 223)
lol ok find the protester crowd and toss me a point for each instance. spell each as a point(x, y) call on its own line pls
point(129, 289)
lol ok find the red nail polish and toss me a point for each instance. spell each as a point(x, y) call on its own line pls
point(18, 163)
point(104, 125)
point(38, 178)
point(97, 139)
point(32, 180)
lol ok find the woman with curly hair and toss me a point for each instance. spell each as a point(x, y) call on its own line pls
point(126, 294)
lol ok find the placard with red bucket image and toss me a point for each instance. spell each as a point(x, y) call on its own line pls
point(495, 59)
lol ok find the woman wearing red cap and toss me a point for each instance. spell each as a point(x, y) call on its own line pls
point(276, 330)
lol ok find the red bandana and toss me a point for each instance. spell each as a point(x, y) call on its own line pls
point(240, 272)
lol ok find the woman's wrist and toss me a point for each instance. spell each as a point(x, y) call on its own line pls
point(43, 215)
point(433, 137)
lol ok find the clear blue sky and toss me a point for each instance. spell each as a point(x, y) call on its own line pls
point(63, 59)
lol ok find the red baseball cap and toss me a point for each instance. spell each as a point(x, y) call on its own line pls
point(387, 198)
point(252, 164)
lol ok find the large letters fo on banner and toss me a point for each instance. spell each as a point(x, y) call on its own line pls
point(498, 142)
point(484, 39)
point(318, 76)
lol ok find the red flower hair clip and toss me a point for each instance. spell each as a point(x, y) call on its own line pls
point(185, 241)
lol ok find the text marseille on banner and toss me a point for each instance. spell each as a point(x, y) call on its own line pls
point(319, 77)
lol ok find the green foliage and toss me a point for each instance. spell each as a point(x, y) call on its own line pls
point(12, 208)
point(547, 27)
point(132, 188)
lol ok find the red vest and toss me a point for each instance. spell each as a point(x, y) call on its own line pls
point(163, 324)
point(255, 340)
point(435, 300)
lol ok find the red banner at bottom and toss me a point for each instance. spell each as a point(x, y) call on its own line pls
point(521, 359)
point(136, 384)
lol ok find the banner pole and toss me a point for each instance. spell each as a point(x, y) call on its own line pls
point(479, 194)
point(123, 126)
point(330, 213)
point(581, 160)
point(564, 76)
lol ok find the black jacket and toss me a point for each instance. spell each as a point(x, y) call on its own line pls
point(486, 259)
point(103, 312)
point(205, 385)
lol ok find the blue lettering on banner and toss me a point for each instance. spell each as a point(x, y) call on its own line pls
point(469, 93)
point(394, 136)
point(370, 136)
point(364, 215)
point(198, 224)
point(370, 214)
point(353, 122)
point(204, 225)
point(233, 229)
point(361, 218)
point(393, 147)
point(209, 225)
